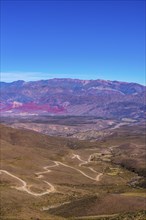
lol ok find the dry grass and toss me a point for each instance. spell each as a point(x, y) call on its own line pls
point(23, 153)
point(100, 205)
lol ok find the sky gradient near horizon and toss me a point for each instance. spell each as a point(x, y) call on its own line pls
point(73, 39)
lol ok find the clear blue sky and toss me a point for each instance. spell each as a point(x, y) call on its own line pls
point(73, 39)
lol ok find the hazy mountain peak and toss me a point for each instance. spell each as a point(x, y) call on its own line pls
point(101, 98)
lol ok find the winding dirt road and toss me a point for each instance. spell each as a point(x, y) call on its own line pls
point(47, 169)
point(24, 186)
point(83, 162)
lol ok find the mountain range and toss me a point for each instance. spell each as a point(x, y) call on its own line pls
point(100, 98)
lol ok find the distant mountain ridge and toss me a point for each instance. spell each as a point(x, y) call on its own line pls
point(101, 98)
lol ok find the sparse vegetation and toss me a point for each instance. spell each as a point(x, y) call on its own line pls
point(120, 189)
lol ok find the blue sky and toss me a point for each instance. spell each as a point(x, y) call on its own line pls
point(73, 39)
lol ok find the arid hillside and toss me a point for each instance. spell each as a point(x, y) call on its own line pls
point(56, 178)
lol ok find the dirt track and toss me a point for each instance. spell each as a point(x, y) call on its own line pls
point(24, 186)
point(47, 169)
